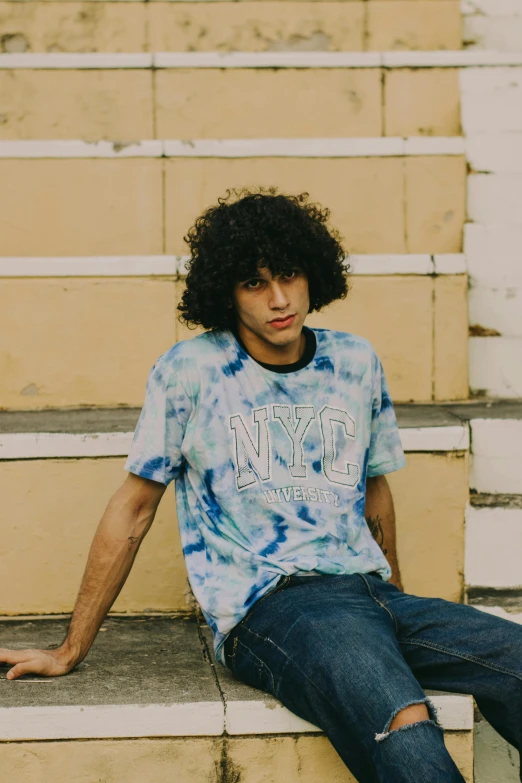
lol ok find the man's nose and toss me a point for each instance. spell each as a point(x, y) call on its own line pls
point(278, 297)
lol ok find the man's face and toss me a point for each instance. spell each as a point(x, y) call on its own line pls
point(272, 310)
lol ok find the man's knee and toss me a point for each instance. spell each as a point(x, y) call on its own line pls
point(411, 714)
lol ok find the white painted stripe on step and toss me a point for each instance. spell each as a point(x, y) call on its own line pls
point(491, 7)
point(450, 264)
point(426, 145)
point(287, 148)
point(496, 453)
point(74, 148)
point(324, 148)
point(237, 148)
point(454, 438)
point(410, 59)
point(495, 153)
point(292, 148)
point(144, 266)
point(95, 266)
point(48, 445)
point(451, 59)
point(268, 59)
point(129, 266)
point(198, 719)
point(495, 370)
point(268, 716)
point(499, 565)
point(263, 717)
point(44, 445)
point(493, 252)
point(109, 721)
point(491, 100)
point(495, 198)
point(414, 264)
point(91, 60)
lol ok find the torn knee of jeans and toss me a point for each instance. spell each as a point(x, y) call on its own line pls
point(433, 719)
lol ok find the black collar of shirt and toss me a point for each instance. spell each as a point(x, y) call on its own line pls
point(306, 358)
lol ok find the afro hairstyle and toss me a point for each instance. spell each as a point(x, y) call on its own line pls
point(249, 229)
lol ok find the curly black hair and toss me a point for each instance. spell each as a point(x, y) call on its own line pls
point(249, 229)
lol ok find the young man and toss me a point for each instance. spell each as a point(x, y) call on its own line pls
point(279, 438)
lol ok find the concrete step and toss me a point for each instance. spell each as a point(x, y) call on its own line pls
point(83, 450)
point(150, 698)
point(251, 26)
point(199, 103)
point(103, 295)
point(47, 531)
point(399, 203)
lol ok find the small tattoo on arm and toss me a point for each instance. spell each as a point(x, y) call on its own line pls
point(375, 525)
point(131, 539)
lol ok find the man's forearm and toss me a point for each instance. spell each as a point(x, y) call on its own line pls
point(112, 553)
point(123, 526)
point(380, 516)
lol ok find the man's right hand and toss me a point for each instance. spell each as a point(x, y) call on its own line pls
point(46, 663)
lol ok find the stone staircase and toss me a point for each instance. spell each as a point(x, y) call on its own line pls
point(121, 700)
point(120, 121)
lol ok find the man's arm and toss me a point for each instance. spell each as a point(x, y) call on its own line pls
point(127, 519)
point(380, 516)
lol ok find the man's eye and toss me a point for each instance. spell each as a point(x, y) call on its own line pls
point(253, 283)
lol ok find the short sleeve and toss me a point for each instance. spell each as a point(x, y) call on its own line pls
point(155, 452)
point(385, 453)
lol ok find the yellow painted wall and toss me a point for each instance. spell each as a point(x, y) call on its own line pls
point(91, 341)
point(114, 207)
point(300, 759)
point(380, 205)
point(51, 509)
point(379, 25)
point(182, 103)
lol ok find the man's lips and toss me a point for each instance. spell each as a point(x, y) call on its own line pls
point(285, 321)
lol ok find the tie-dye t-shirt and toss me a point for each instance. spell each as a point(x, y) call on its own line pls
point(270, 467)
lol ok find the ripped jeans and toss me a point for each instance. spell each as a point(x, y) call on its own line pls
point(348, 653)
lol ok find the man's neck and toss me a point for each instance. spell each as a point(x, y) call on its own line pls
point(265, 352)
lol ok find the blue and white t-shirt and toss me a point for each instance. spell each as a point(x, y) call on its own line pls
point(270, 467)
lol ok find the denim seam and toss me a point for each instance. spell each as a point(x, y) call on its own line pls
point(384, 606)
point(281, 586)
point(260, 663)
point(289, 659)
point(465, 657)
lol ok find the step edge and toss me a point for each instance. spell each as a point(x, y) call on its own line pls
point(56, 445)
point(326, 147)
point(177, 720)
point(174, 265)
point(458, 58)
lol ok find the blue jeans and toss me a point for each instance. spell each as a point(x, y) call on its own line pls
point(347, 653)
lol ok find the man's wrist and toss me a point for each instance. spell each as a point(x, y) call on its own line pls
point(69, 654)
